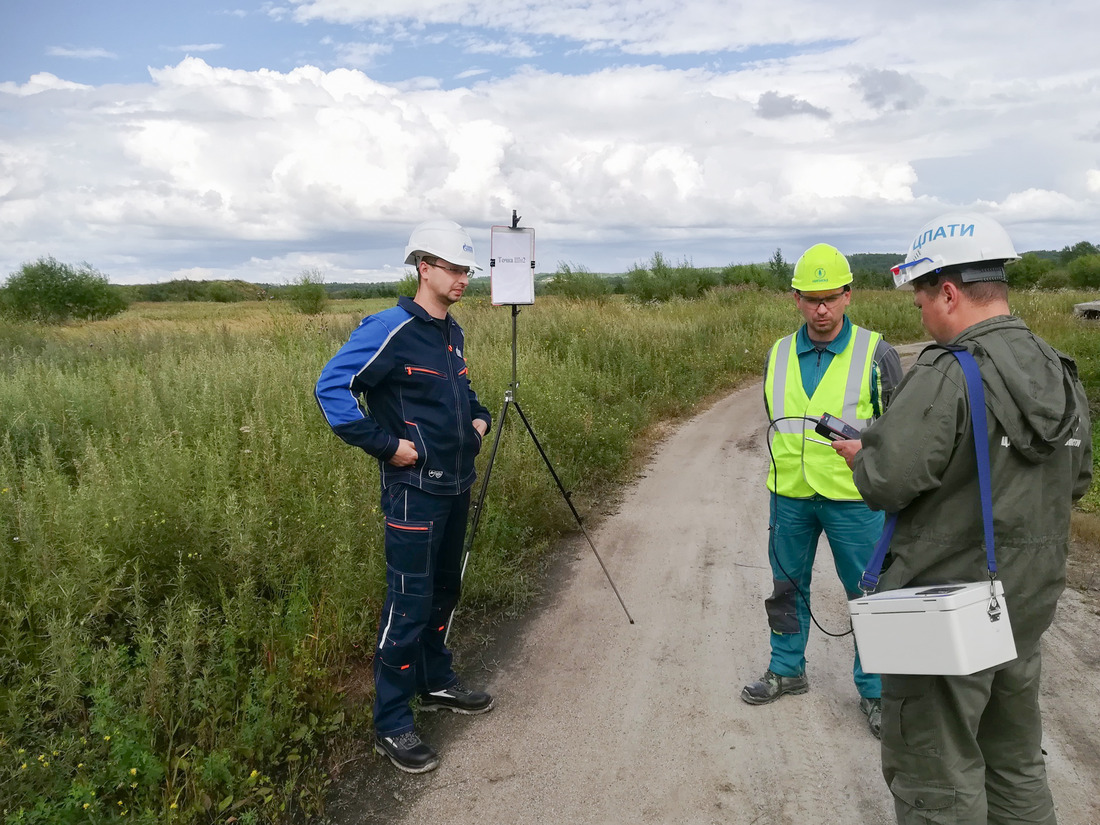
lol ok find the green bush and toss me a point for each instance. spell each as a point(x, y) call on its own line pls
point(1053, 279)
point(1084, 272)
point(52, 292)
point(578, 282)
point(872, 279)
point(224, 292)
point(1029, 271)
point(661, 282)
point(753, 275)
point(307, 293)
point(407, 286)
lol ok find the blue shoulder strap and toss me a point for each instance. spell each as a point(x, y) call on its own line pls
point(976, 394)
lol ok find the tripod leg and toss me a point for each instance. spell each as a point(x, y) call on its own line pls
point(568, 500)
point(476, 518)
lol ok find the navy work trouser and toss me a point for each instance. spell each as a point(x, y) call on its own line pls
point(424, 538)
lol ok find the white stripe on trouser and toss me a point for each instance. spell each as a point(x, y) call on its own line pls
point(389, 623)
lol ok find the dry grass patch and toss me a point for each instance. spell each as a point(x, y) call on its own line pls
point(1083, 565)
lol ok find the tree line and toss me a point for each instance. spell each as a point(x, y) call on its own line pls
point(50, 291)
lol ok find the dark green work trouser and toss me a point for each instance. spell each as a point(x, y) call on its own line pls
point(966, 750)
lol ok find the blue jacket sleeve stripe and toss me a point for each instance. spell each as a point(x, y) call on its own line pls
point(334, 391)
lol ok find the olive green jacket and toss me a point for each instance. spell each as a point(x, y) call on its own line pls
point(918, 459)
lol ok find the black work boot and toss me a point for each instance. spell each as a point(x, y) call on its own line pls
point(873, 708)
point(407, 752)
point(771, 686)
point(458, 699)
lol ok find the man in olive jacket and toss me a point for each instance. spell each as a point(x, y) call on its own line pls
point(967, 749)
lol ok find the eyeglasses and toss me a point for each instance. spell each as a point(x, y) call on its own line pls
point(828, 301)
point(457, 271)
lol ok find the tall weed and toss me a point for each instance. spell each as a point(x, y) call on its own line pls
point(191, 562)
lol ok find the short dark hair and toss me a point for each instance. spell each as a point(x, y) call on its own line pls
point(978, 291)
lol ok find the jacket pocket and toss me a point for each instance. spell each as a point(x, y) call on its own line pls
point(414, 370)
point(417, 438)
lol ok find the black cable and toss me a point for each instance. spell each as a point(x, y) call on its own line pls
point(771, 528)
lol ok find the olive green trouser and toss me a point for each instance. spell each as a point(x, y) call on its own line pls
point(966, 750)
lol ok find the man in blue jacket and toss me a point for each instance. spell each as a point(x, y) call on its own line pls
point(399, 389)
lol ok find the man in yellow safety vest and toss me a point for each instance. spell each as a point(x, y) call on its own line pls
point(828, 366)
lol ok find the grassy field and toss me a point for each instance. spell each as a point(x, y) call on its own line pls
point(191, 562)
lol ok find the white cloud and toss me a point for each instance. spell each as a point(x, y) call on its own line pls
point(1038, 202)
point(639, 26)
point(41, 82)
point(80, 54)
point(510, 48)
point(358, 54)
point(198, 48)
point(849, 122)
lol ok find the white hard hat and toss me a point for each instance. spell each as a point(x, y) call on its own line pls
point(956, 239)
point(441, 239)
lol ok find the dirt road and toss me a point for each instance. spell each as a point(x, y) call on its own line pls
point(600, 721)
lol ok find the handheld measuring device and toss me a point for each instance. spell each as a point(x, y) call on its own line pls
point(835, 429)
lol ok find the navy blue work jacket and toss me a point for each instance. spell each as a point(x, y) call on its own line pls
point(398, 376)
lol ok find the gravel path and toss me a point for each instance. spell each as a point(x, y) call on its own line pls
point(600, 721)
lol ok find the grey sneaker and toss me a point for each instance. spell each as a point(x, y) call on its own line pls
point(407, 752)
point(458, 699)
point(771, 686)
point(873, 710)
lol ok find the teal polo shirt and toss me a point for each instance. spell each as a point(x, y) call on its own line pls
point(812, 361)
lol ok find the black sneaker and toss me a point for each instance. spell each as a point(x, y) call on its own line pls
point(771, 686)
point(407, 752)
point(457, 699)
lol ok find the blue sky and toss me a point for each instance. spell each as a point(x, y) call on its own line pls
point(259, 140)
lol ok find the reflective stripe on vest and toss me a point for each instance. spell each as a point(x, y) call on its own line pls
point(803, 468)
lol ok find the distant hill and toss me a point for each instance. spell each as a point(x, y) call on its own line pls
point(870, 269)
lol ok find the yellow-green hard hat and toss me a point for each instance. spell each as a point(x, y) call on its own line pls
point(821, 267)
